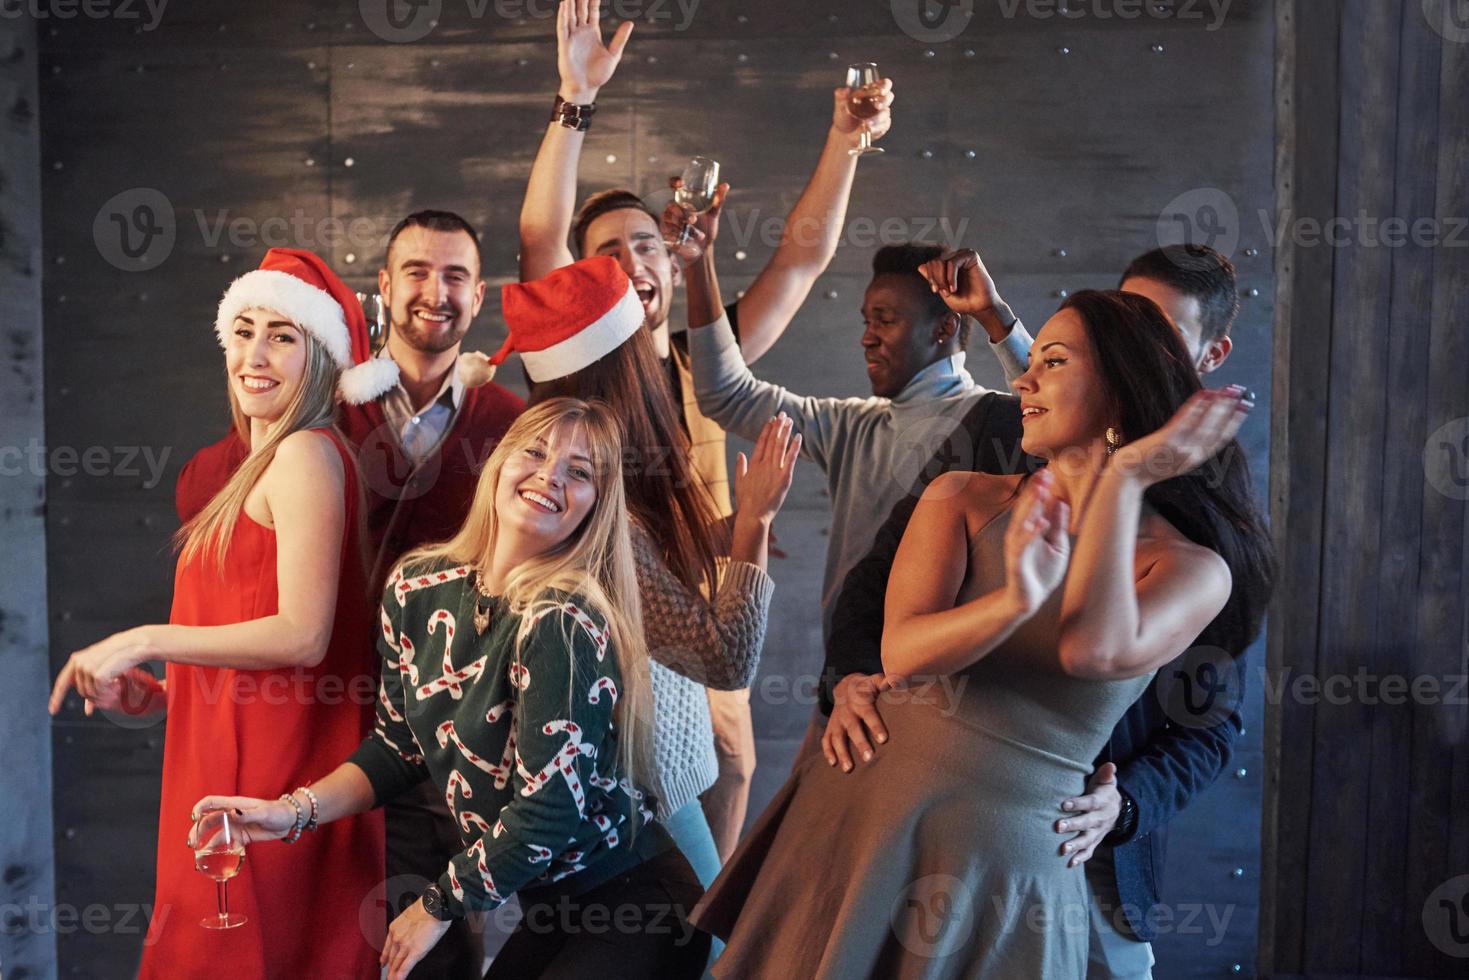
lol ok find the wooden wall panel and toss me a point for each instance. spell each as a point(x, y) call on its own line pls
point(1366, 865)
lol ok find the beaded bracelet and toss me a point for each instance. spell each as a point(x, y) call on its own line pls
point(295, 831)
point(313, 823)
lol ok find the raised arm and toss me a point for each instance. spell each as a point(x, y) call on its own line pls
point(963, 282)
point(550, 196)
point(812, 230)
point(926, 633)
point(304, 488)
point(1119, 620)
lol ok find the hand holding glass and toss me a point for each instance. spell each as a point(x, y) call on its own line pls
point(219, 853)
point(864, 102)
point(695, 194)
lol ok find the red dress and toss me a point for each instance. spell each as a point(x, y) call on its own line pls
point(314, 907)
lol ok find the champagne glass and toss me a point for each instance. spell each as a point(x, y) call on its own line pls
point(376, 312)
point(219, 853)
point(696, 192)
point(864, 102)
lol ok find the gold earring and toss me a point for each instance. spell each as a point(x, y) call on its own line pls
point(1114, 440)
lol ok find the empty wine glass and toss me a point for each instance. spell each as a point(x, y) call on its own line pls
point(219, 853)
point(864, 102)
point(695, 193)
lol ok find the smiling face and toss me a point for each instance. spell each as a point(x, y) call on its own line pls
point(432, 287)
point(1062, 399)
point(266, 361)
point(631, 236)
point(547, 488)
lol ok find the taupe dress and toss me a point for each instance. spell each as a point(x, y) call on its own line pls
point(938, 858)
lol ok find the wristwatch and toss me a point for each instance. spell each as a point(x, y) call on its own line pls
point(435, 904)
point(1126, 820)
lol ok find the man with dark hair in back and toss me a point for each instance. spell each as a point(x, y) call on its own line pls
point(1153, 765)
point(421, 441)
point(620, 224)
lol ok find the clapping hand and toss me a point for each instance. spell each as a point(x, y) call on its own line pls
point(584, 63)
point(1200, 428)
point(762, 481)
point(1037, 548)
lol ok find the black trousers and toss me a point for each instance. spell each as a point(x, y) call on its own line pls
point(635, 926)
point(421, 840)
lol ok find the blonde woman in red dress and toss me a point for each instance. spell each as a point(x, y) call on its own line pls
point(271, 672)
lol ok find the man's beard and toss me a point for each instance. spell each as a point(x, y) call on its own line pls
point(417, 338)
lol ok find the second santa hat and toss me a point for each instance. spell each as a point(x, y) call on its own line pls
point(572, 318)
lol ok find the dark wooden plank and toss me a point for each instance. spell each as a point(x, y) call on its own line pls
point(1386, 915)
point(1354, 447)
point(1435, 844)
point(1308, 133)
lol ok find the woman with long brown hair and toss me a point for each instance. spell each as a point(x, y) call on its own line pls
point(705, 594)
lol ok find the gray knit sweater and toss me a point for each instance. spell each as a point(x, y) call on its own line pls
point(693, 644)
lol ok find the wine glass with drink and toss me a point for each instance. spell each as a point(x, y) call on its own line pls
point(219, 853)
point(377, 320)
point(864, 102)
point(695, 193)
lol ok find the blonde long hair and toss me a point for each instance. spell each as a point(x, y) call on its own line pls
point(595, 562)
point(313, 405)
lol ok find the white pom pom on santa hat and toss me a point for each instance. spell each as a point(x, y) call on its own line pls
point(299, 286)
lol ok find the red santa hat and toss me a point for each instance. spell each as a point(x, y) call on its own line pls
point(302, 288)
point(572, 318)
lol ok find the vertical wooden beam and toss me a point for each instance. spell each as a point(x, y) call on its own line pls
point(27, 886)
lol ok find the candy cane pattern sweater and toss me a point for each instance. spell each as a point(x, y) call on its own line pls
point(523, 746)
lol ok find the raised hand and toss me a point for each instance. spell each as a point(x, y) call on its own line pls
point(584, 63)
point(1200, 428)
point(963, 282)
point(762, 481)
point(843, 121)
point(703, 228)
point(1037, 548)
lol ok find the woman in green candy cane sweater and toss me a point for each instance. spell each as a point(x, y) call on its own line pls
point(515, 677)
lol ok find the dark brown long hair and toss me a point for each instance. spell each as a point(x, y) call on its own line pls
point(664, 491)
point(1146, 368)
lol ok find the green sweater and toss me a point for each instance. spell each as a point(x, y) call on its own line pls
point(524, 748)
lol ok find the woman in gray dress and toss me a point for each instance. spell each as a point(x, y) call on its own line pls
point(1025, 615)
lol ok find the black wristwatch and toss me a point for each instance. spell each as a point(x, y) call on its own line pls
point(435, 904)
point(1126, 820)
